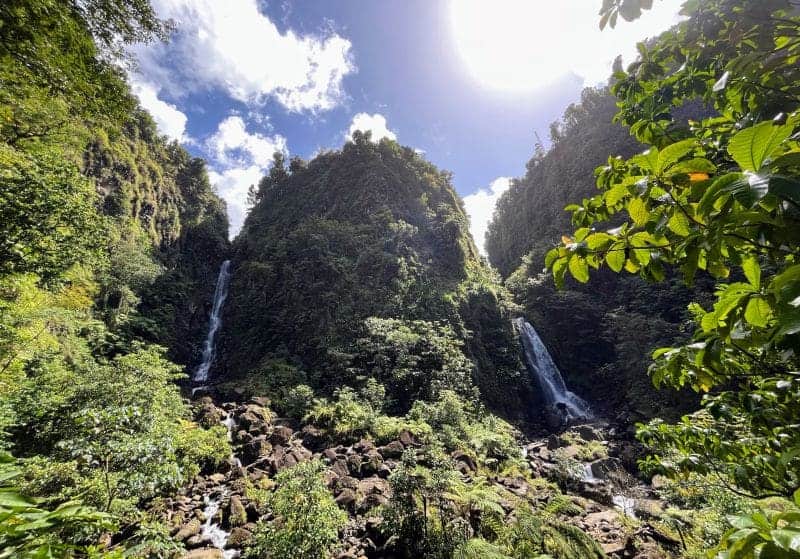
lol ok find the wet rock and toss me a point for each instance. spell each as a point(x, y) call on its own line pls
point(554, 442)
point(195, 542)
point(191, 528)
point(596, 491)
point(257, 448)
point(602, 468)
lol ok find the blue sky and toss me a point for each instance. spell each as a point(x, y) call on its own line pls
point(468, 82)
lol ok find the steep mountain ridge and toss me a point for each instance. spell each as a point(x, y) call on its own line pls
point(371, 231)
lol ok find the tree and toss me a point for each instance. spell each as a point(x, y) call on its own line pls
point(723, 198)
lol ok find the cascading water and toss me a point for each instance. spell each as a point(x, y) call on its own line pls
point(209, 348)
point(540, 364)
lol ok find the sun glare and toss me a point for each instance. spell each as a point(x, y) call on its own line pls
point(520, 45)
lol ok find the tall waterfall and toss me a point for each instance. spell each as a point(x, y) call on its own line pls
point(209, 348)
point(540, 364)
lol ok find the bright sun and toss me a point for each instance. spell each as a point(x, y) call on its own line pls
point(522, 45)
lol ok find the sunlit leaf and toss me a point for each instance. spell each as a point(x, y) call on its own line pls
point(752, 146)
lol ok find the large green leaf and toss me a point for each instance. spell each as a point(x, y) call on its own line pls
point(752, 146)
point(672, 153)
point(638, 211)
point(752, 271)
point(579, 269)
point(758, 312)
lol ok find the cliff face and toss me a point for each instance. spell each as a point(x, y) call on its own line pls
point(370, 231)
point(168, 234)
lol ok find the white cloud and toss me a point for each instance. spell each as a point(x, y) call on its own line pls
point(238, 159)
point(232, 185)
point(230, 44)
point(231, 144)
point(480, 207)
point(375, 123)
point(169, 119)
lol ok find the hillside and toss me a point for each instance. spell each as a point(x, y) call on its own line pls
point(360, 261)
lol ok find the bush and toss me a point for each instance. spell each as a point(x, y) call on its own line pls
point(307, 520)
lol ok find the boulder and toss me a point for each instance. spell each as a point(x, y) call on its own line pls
point(191, 528)
point(330, 455)
point(313, 437)
point(354, 463)
point(340, 468)
point(281, 435)
point(463, 457)
point(407, 438)
point(237, 515)
point(346, 499)
point(209, 415)
point(374, 485)
point(239, 537)
point(602, 468)
point(205, 553)
point(393, 449)
point(588, 433)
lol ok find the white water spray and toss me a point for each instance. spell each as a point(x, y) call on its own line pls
point(213, 532)
point(541, 365)
point(209, 348)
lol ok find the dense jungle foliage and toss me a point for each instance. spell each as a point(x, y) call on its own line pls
point(369, 398)
point(96, 212)
point(336, 246)
point(720, 198)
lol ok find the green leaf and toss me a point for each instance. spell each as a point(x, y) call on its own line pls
point(752, 271)
point(679, 223)
point(758, 312)
point(615, 257)
point(696, 165)
point(638, 211)
point(788, 539)
point(672, 153)
point(752, 146)
point(579, 269)
point(616, 194)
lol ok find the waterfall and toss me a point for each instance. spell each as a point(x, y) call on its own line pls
point(209, 348)
point(559, 400)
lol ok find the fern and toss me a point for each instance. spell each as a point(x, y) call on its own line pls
point(478, 548)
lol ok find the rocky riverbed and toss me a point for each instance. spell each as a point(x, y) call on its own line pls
point(216, 515)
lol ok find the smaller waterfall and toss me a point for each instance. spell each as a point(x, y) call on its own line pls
point(558, 399)
point(212, 531)
point(209, 348)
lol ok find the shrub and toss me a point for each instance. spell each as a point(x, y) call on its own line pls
point(307, 520)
